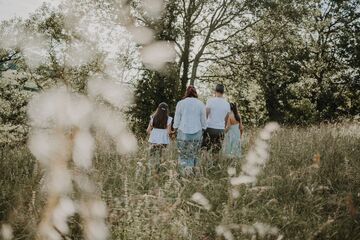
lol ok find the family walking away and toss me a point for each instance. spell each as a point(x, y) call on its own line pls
point(215, 127)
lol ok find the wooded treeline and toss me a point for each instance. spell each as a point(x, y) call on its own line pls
point(295, 62)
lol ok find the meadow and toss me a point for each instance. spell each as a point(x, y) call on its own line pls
point(309, 189)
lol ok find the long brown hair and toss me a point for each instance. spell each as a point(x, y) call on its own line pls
point(234, 109)
point(190, 92)
point(161, 115)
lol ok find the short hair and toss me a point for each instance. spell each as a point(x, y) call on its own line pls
point(219, 88)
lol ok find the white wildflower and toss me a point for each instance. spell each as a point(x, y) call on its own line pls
point(48, 146)
point(264, 229)
point(59, 180)
point(98, 209)
point(50, 108)
point(48, 232)
point(242, 180)
point(62, 212)
point(246, 229)
point(115, 94)
point(153, 8)
point(84, 146)
point(231, 171)
point(96, 230)
point(224, 231)
point(126, 143)
point(84, 183)
point(235, 193)
point(142, 35)
point(6, 232)
point(256, 157)
point(157, 54)
point(79, 112)
point(200, 199)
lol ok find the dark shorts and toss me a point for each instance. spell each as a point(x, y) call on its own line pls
point(213, 139)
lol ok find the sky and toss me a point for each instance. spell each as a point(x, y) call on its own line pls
point(20, 8)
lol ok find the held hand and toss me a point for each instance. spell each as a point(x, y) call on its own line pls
point(241, 129)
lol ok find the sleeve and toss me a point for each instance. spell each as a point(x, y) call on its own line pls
point(177, 117)
point(228, 108)
point(203, 116)
point(169, 120)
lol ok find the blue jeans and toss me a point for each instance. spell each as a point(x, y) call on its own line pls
point(189, 146)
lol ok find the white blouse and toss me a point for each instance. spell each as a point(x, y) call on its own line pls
point(158, 135)
point(190, 116)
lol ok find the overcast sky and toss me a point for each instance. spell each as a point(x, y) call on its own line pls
point(20, 8)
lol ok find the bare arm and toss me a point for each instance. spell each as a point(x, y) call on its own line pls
point(227, 118)
point(169, 129)
point(149, 128)
point(227, 124)
point(241, 126)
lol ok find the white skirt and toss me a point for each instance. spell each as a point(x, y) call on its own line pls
point(159, 136)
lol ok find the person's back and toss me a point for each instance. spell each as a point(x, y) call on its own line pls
point(189, 121)
point(218, 110)
point(233, 129)
point(190, 115)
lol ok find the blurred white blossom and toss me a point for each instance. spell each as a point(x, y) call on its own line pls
point(153, 8)
point(6, 232)
point(62, 212)
point(142, 35)
point(59, 180)
point(84, 146)
point(157, 54)
point(224, 231)
point(200, 199)
point(231, 171)
point(116, 94)
point(261, 229)
point(47, 146)
point(256, 157)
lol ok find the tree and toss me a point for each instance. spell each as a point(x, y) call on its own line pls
point(154, 87)
point(301, 56)
point(331, 28)
point(199, 28)
point(206, 27)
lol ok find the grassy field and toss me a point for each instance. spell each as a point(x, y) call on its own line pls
point(309, 189)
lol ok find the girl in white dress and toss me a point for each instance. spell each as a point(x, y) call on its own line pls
point(159, 129)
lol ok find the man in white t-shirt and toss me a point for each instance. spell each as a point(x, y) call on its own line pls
point(217, 112)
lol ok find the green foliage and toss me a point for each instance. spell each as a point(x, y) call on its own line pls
point(301, 54)
point(150, 91)
point(154, 87)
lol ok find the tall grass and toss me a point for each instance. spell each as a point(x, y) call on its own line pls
point(308, 189)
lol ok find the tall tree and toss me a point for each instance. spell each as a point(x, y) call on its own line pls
point(154, 87)
point(207, 27)
point(331, 27)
